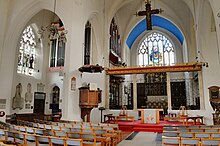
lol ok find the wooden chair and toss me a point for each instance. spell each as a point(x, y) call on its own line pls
point(57, 141)
point(19, 138)
point(77, 126)
point(112, 134)
point(39, 131)
point(22, 129)
point(69, 125)
point(42, 140)
point(89, 139)
point(211, 130)
point(85, 126)
point(215, 135)
point(11, 127)
point(30, 130)
point(186, 135)
point(74, 142)
point(87, 130)
point(169, 128)
point(74, 135)
point(2, 135)
point(30, 139)
point(210, 142)
point(196, 130)
point(76, 130)
point(170, 140)
point(9, 136)
point(170, 134)
point(60, 134)
point(206, 126)
point(190, 141)
point(35, 125)
point(16, 128)
point(65, 129)
point(41, 126)
point(202, 135)
point(47, 127)
point(61, 124)
point(54, 123)
point(101, 136)
point(55, 128)
point(183, 130)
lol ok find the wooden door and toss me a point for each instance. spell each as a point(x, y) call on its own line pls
point(178, 95)
point(39, 102)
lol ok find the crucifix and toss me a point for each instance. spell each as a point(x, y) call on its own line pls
point(148, 12)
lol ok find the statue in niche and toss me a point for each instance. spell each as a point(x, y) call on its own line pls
point(28, 94)
point(18, 101)
point(31, 61)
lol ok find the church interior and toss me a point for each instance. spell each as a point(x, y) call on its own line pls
point(128, 63)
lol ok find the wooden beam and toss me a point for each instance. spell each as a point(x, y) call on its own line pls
point(154, 69)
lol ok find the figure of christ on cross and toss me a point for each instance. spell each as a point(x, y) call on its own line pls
point(148, 13)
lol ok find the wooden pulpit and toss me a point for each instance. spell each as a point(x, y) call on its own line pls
point(88, 100)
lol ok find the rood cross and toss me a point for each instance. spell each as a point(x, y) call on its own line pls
point(148, 13)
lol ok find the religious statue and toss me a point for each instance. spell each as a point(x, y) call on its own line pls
point(28, 94)
point(123, 111)
point(31, 61)
point(18, 101)
point(182, 111)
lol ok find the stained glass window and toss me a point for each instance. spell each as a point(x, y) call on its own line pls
point(156, 49)
point(26, 56)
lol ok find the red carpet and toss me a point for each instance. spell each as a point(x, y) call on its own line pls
point(147, 127)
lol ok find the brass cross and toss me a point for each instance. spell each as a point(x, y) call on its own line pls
point(148, 13)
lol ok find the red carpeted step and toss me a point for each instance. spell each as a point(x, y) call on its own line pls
point(148, 129)
point(126, 128)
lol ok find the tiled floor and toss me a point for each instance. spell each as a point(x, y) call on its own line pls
point(142, 139)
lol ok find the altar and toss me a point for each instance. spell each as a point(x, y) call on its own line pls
point(150, 115)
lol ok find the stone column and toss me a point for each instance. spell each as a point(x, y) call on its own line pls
point(168, 91)
point(201, 91)
point(107, 91)
point(134, 92)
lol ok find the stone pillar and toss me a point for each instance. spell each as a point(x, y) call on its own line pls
point(169, 91)
point(70, 105)
point(189, 89)
point(201, 91)
point(107, 91)
point(134, 92)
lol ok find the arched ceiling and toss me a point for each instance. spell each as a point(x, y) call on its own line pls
point(177, 12)
point(156, 21)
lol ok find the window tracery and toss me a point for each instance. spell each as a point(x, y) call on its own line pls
point(156, 49)
point(26, 55)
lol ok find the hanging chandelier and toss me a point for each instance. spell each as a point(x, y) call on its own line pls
point(55, 28)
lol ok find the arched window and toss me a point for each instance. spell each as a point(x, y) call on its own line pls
point(87, 48)
point(26, 56)
point(156, 49)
